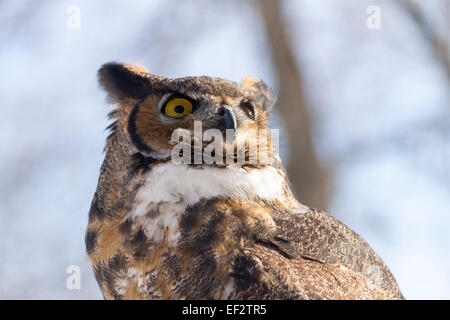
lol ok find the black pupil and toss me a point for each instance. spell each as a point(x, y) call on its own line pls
point(179, 109)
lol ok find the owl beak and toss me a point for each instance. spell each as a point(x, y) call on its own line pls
point(227, 118)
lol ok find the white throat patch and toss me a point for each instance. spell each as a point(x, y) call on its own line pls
point(178, 186)
point(187, 185)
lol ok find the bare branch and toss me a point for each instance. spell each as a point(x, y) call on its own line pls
point(306, 175)
point(439, 44)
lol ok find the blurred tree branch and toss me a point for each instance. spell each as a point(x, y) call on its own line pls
point(439, 44)
point(306, 174)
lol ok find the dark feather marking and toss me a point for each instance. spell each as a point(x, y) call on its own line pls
point(280, 239)
point(154, 211)
point(141, 163)
point(120, 82)
point(125, 227)
point(211, 231)
point(132, 130)
point(108, 272)
point(245, 272)
point(211, 227)
point(112, 126)
point(110, 135)
point(94, 211)
point(273, 246)
point(118, 262)
point(103, 275)
point(112, 114)
point(112, 130)
point(91, 241)
point(139, 244)
point(190, 219)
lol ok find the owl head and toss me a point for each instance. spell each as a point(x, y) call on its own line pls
point(150, 109)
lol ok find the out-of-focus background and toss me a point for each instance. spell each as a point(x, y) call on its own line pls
point(363, 110)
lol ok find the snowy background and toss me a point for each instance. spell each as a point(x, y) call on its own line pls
point(381, 122)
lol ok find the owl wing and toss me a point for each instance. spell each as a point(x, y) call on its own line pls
point(313, 255)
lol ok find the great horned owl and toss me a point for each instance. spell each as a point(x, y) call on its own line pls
point(165, 230)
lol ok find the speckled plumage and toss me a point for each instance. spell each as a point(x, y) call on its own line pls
point(157, 231)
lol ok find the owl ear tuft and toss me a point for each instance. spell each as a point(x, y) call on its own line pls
point(122, 81)
point(263, 93)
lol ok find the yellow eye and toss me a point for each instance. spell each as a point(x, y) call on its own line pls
point(178, 108)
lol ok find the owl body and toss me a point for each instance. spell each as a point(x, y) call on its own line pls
point(164, 230)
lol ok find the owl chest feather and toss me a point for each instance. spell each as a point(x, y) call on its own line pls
point(183, 221)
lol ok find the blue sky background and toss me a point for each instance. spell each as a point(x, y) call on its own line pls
point(379, 100)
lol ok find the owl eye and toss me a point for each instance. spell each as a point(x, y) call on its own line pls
point(178, 108)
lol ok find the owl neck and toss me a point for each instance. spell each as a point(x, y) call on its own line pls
point(188, 185)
